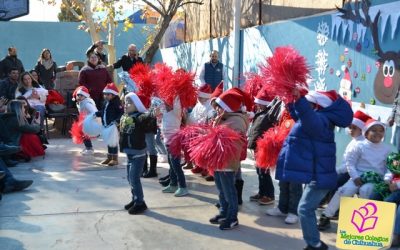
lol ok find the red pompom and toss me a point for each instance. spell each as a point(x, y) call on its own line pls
point(254, 83)
point(142, 75)
point(54, 97)
point(77, 130)
point(286, 70)
point(184, 88)
point(216, 148)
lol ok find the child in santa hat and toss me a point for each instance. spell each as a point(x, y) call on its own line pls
point(265, 118)
point(365, 162)
point(229, 108)
point(308, 156)
point(85, 106)
point(133, 129)
point(110, 115)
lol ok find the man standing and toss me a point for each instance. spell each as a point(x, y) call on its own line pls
point(128, 60)
point(98, 48)
point(9, 85)
point(10, 61)
point(212, 72)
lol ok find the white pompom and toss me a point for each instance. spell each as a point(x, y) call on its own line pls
point(110, 135)
point(91, 126)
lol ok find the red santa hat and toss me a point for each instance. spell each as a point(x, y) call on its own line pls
point(322, 98)
point(360, 118)
point(371, 122)
point(111, 89)
point(218, 90)
point(263, 97)
point(139, 100)
point(81, 90)
point(205, 91)
point(233, 99)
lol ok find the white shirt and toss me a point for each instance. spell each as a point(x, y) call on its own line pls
point(42, 92)
point(343, 169)
point(87, 106)
point(367, 156)
point(200, 113)
point(171, 121)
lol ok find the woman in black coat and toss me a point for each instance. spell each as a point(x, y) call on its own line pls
point(46, 69)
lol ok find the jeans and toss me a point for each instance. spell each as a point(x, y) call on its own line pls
point(265, 184)
point(113, 150)
point(8, 178)
point(160, 147)
point(134, 171)
point(225, 182)
point(238, 175)
point(397, 222)
point(309, 203)
point(341, 180)
point(88, 143)
point(150, 144)
point(289, 197)
point(42, 111)
point(176, 175)
point(393, 197)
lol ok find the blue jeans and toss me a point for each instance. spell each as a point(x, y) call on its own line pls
point(176, 175)
point(42, 111)
point(393, 197)
point(396, 141)
point(225, 182)
point(289, 197)
point(309, 203)
point(8, 178)
point(160, 147)
point(265, 184)
point(134, 171)
point(150, 144)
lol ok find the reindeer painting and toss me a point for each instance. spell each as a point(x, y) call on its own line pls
point(387, 79)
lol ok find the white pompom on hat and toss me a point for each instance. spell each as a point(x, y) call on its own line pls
point(322, 98)
point(137, 100)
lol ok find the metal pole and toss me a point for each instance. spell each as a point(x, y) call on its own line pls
point(259, 12)
point(236, 43)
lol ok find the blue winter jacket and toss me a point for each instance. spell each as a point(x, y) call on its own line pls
point(309, 152)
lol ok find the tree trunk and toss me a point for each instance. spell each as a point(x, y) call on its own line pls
point(111, 46)
point(152, 50)
point(90, 22)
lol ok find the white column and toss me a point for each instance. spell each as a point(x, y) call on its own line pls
point(236, 42)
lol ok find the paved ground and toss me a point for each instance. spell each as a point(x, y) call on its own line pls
point(76, 204)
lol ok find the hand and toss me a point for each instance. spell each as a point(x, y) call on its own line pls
point(393, 187)
point(98, 43)
point(35, 95)
point(391, 122)
point(358, 182)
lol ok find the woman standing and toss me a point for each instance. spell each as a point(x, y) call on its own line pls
point(46, 69)
point(94, 76)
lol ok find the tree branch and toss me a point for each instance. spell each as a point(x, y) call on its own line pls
point(154, 7)
point(189, 2)
point(162, 5)
point(70, 9)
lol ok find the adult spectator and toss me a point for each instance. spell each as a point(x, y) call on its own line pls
point(35, 78)
point(94, 76)
point(10, 62)
point(10, 84)
point(129, 59)
point(46, 69)
point(98, 49)
point(212, 72)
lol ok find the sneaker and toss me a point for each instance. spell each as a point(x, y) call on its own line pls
point(255, 197)
point(170, 189)
point(275, 212)
point(165, 182)
point(138, 208)
point(209, 178)
point(17, 186)
point(129, 205)
point(181, 192)
point(323, 223)
point(228, 225)
point(323, 246)
point(87, 152)
point(291, 219)
point(218, 219)
point(266, 200)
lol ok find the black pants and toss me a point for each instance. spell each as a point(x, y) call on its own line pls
point(113, 150)
point(88, 143)
point(265, 184)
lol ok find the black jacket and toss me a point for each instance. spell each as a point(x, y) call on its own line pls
point(7, 89)
point(46, 76)
point(113, 110)
point(133, 128)
point(8, 63)
point(126, 62)
point(11, 132)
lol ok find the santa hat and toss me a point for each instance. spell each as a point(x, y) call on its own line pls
point(371, 122)
point(360, 118)
point(218, 90)
point(111, 89)
point(140, 101)
point(345, 82)
point(81, 90)
point(322, 98)
point(205, 91)
point(263, 97)
point(233, 99)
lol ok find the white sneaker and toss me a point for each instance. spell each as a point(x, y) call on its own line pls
point(291, 219)
point(87, 152)
point(275, 212)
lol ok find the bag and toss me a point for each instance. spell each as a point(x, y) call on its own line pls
point(110, 135)
point(91, 126)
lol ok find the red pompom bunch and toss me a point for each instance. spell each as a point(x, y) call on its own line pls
point(77, 130)
point(142, 75)
point(254, 83)
point(285, 71)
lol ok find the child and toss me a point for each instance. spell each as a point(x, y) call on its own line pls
point(368, 156)
point(308, 156)
point(150, 143)
point(262, 121)
point(111, 114)
point(171, 123)
point(229, 111)
point(133, 142)
point(87, 106)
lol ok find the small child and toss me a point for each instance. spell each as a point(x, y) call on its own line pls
point(86, 106)
point(133, 127)
point(110, 115)
point(367, 156)
point(263, 120)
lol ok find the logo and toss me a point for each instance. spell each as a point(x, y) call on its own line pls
point(363, 218)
